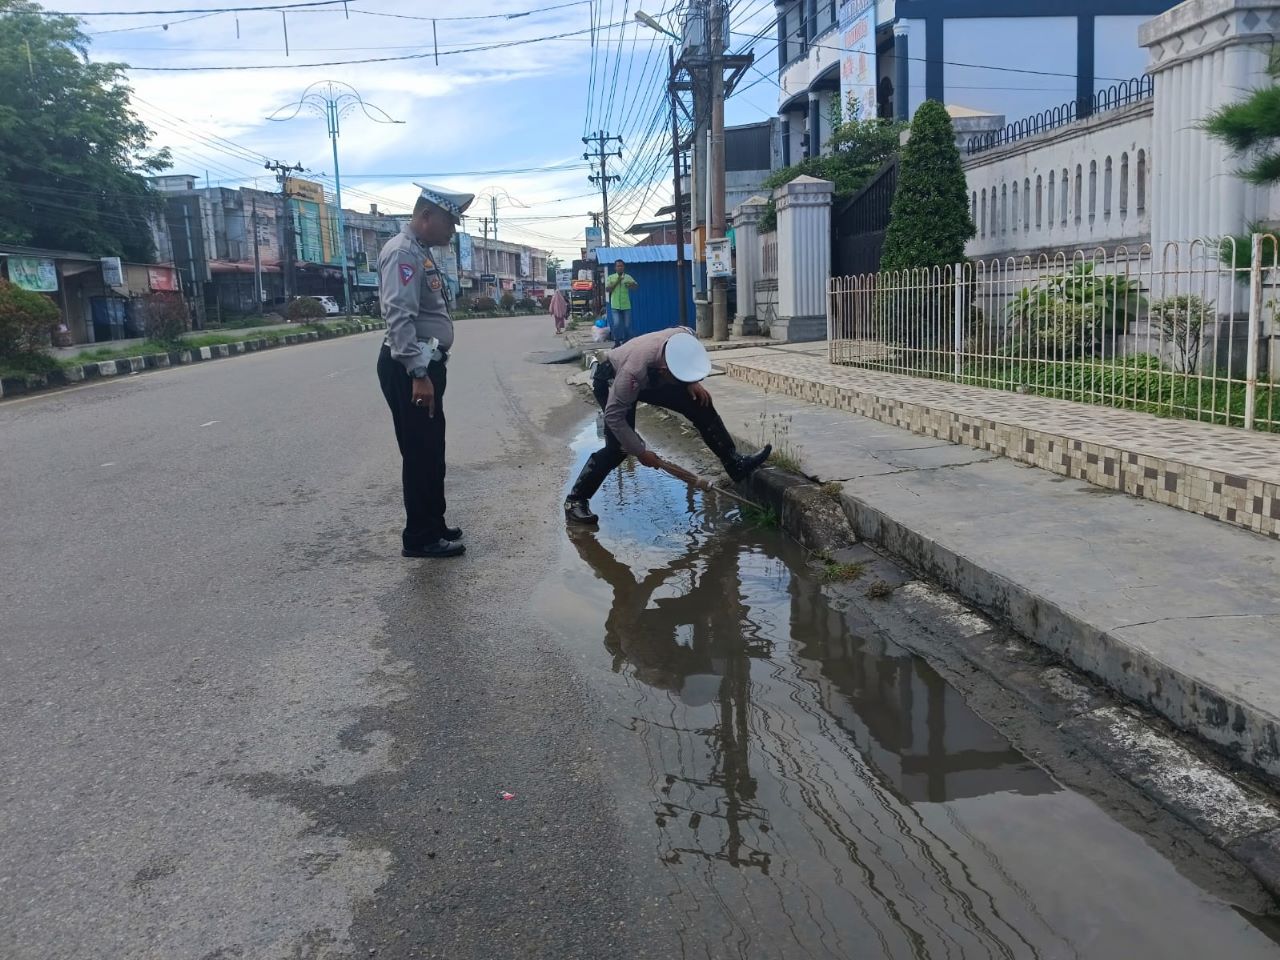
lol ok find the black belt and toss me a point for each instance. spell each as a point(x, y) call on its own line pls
point(605, 370)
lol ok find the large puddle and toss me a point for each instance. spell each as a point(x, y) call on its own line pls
point(810, 789)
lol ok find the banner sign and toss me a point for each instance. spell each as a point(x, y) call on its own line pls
point(858, 71)
point(33, 273)
point(112, 272)
point(465, 251)
point(595, 239)
point(162, 278)
point(564, 279)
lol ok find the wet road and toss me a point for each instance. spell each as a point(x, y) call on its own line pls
point(236, 724)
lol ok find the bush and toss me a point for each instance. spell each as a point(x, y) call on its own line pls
point(527, 304)
point(930, 222)
point(1072, 315)
point(27, 321)
point(483, 305)
point(508, 301)
point(463, 303)
point(1182, 318)
point(164, 315)
point(304, 309)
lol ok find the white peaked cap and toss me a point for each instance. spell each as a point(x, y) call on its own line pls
point(687, 358)
point(454, 204)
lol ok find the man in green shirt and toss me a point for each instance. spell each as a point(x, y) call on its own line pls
point(619, 285)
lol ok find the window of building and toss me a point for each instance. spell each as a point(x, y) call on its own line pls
point(1079, 193)
point(1065, 183)
point(1026, 204)
point(1093, 190)
point(1052, 197)
point(1142, 182)
point(1124, 185)
point(982, 229)
point(1040, 201)
point(1004, 208)
point(1015, 206)
point(1106, 191)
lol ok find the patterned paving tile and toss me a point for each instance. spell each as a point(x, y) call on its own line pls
point(1224, 473)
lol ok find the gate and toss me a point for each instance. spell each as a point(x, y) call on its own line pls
point(858, 227)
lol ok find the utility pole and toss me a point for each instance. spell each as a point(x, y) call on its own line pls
point(257, 256)
point(682, 288)
point(282, 172)
point(601, 141)
point(719, 285)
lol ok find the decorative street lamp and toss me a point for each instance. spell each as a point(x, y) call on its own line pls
point(334, 100)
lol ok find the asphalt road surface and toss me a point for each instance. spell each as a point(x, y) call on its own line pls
point(235, 723)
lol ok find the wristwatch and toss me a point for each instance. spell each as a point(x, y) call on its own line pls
point(418, 373)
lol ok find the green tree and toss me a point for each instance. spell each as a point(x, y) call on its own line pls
point(858, 149)
point(930, 220)
point(1251, 128)
point(73, 155)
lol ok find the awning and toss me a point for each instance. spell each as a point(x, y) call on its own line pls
point(237, 266)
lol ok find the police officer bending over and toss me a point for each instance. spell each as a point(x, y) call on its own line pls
point(412, 365)
point(664, 369)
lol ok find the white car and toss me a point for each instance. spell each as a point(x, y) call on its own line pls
point(330, 305)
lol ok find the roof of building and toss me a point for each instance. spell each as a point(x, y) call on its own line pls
point(650, 253)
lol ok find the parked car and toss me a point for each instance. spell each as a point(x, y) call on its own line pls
point(330, 305)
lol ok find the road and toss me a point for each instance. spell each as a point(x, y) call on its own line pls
point(237, 724)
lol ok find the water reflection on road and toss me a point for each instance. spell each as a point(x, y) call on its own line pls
point(817, 791)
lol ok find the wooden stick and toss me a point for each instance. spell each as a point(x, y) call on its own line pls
point(701, 483)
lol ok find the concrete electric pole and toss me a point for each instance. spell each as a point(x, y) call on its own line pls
point(601, 141)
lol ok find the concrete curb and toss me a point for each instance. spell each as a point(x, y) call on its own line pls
point(100, 369)
point(1240, 817)
point(1195, 784)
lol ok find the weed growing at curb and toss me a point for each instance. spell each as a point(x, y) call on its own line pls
point(832, 490)
point(880, 590)
point(843, 572)
point(776, 429)
point(761, 518)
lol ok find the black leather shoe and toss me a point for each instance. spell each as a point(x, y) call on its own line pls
point(437, 550)
point(745, 466)
point(452, 534)
point(579, 511)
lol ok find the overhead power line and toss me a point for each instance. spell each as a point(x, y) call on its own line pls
point(164, 13)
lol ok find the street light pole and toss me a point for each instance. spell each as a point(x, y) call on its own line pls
point(333, 100)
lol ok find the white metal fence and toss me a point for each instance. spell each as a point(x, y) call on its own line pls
point(1182, 332)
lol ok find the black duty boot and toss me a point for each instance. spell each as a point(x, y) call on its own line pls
point(433, 551)
point(452, 534)
point(743, 467)
point(579, 511)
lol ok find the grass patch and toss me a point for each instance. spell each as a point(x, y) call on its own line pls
point(784, 460)
point(880, 590)
point(833, 572)
point(761, 518)
point(833, 490)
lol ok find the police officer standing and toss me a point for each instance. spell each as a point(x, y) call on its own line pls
point(412, 365)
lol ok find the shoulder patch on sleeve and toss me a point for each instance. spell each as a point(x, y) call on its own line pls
point(406, 274)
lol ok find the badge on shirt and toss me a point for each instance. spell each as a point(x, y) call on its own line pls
point(428, 264)
point(435, 284)
point(406, 274)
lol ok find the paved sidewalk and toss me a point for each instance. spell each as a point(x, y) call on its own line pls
point(1224, 473)
point(1174, 610)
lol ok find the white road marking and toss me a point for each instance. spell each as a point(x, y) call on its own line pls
point(210, 423)
point(111, 464)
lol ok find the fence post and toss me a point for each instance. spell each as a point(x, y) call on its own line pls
point(957, 279)
point(1255, 330)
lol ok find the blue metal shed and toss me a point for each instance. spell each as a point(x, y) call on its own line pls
point(654, 303)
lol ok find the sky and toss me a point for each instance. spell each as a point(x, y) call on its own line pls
point(504, 123)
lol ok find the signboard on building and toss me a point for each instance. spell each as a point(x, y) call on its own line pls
point(304, 190)
point(465, 252)
point(526, 263)
point(595, 239)
point(267, 234)
point(112, 272)
point(366, 278)
point(162, 278)
point(33, 273)
point(719, 258)
point(564, 279)
point(858, 72)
